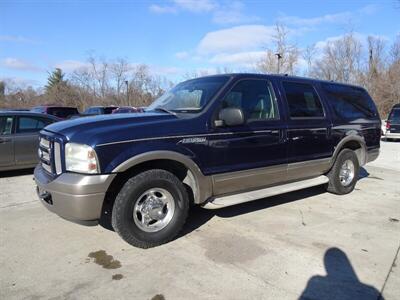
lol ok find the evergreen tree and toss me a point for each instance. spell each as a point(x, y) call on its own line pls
point(56, 78)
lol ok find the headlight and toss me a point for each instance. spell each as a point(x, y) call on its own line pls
point(81, 159)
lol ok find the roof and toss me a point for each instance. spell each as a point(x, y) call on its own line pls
point(280, 76)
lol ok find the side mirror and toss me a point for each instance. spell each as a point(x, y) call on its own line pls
point(230, 117)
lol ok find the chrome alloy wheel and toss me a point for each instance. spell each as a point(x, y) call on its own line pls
point(346, 173)
point(154, 210)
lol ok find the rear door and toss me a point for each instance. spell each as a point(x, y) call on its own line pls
point(6, 141)
point(309, 131)
point(26, 139)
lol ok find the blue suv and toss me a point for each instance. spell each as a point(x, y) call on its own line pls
point(214, 141)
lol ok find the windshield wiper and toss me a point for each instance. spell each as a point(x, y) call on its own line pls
point(165, 110)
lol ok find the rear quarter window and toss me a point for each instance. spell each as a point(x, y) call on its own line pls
point(350, 103)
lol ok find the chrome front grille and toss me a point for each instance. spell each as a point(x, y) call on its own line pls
point(50, 155)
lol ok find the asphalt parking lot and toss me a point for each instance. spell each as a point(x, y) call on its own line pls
point(307, 244)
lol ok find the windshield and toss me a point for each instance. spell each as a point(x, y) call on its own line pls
point(395, 115)
point(190, 96)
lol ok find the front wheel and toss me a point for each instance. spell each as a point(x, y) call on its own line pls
point(344, 174)
point(150, 209)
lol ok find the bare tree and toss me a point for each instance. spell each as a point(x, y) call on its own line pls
point(376, 59)
point(119, 73)
point(309, 56)
point(341, 60)
point(283, 57)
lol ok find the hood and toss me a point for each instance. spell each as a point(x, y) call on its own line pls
point(107, 128)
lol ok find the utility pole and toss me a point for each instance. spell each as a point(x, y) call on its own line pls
point(279, 56)
point(127, 92)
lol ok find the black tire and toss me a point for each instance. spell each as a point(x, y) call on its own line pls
point(335, 186)
point(122, 213)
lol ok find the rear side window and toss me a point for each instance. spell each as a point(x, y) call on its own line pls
point(303, 100)
point(6, 125)
point(349, 103)
point(31, 124)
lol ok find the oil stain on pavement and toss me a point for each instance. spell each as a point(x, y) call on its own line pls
point(103, 259)
point(117, 277)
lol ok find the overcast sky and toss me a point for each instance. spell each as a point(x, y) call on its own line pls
point(173, 36)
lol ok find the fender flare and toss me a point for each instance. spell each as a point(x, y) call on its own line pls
point(361, 153)
point(200, 184)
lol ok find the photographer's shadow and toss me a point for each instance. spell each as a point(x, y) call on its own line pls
point(341, 281)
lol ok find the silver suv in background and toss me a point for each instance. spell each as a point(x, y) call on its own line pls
point(19, 140)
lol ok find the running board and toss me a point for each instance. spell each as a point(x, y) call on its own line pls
point(224, 201)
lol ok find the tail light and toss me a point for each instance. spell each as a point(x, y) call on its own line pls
point(387, 125)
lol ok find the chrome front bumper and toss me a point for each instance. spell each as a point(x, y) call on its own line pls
point(75, 197)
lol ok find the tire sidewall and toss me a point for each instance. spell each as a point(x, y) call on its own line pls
point(130, 195)
point(343, 156)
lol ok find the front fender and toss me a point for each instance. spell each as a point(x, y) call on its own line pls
point(137, 154)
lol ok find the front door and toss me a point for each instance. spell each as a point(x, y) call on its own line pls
point(251, 155)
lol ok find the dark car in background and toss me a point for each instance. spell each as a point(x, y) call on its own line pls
point(19, 138)
point(99, 110)
point(62, 112)
point(393, 123)
point(126, 109)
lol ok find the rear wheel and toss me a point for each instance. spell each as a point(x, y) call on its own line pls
point(344, 174)
point(150, 209)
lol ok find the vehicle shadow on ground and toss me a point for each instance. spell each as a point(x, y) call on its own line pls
point(341, 281)
point(15, 173)
point(199, 216)
point(363, 173)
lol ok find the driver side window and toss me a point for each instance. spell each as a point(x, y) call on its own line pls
point(255, 98)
